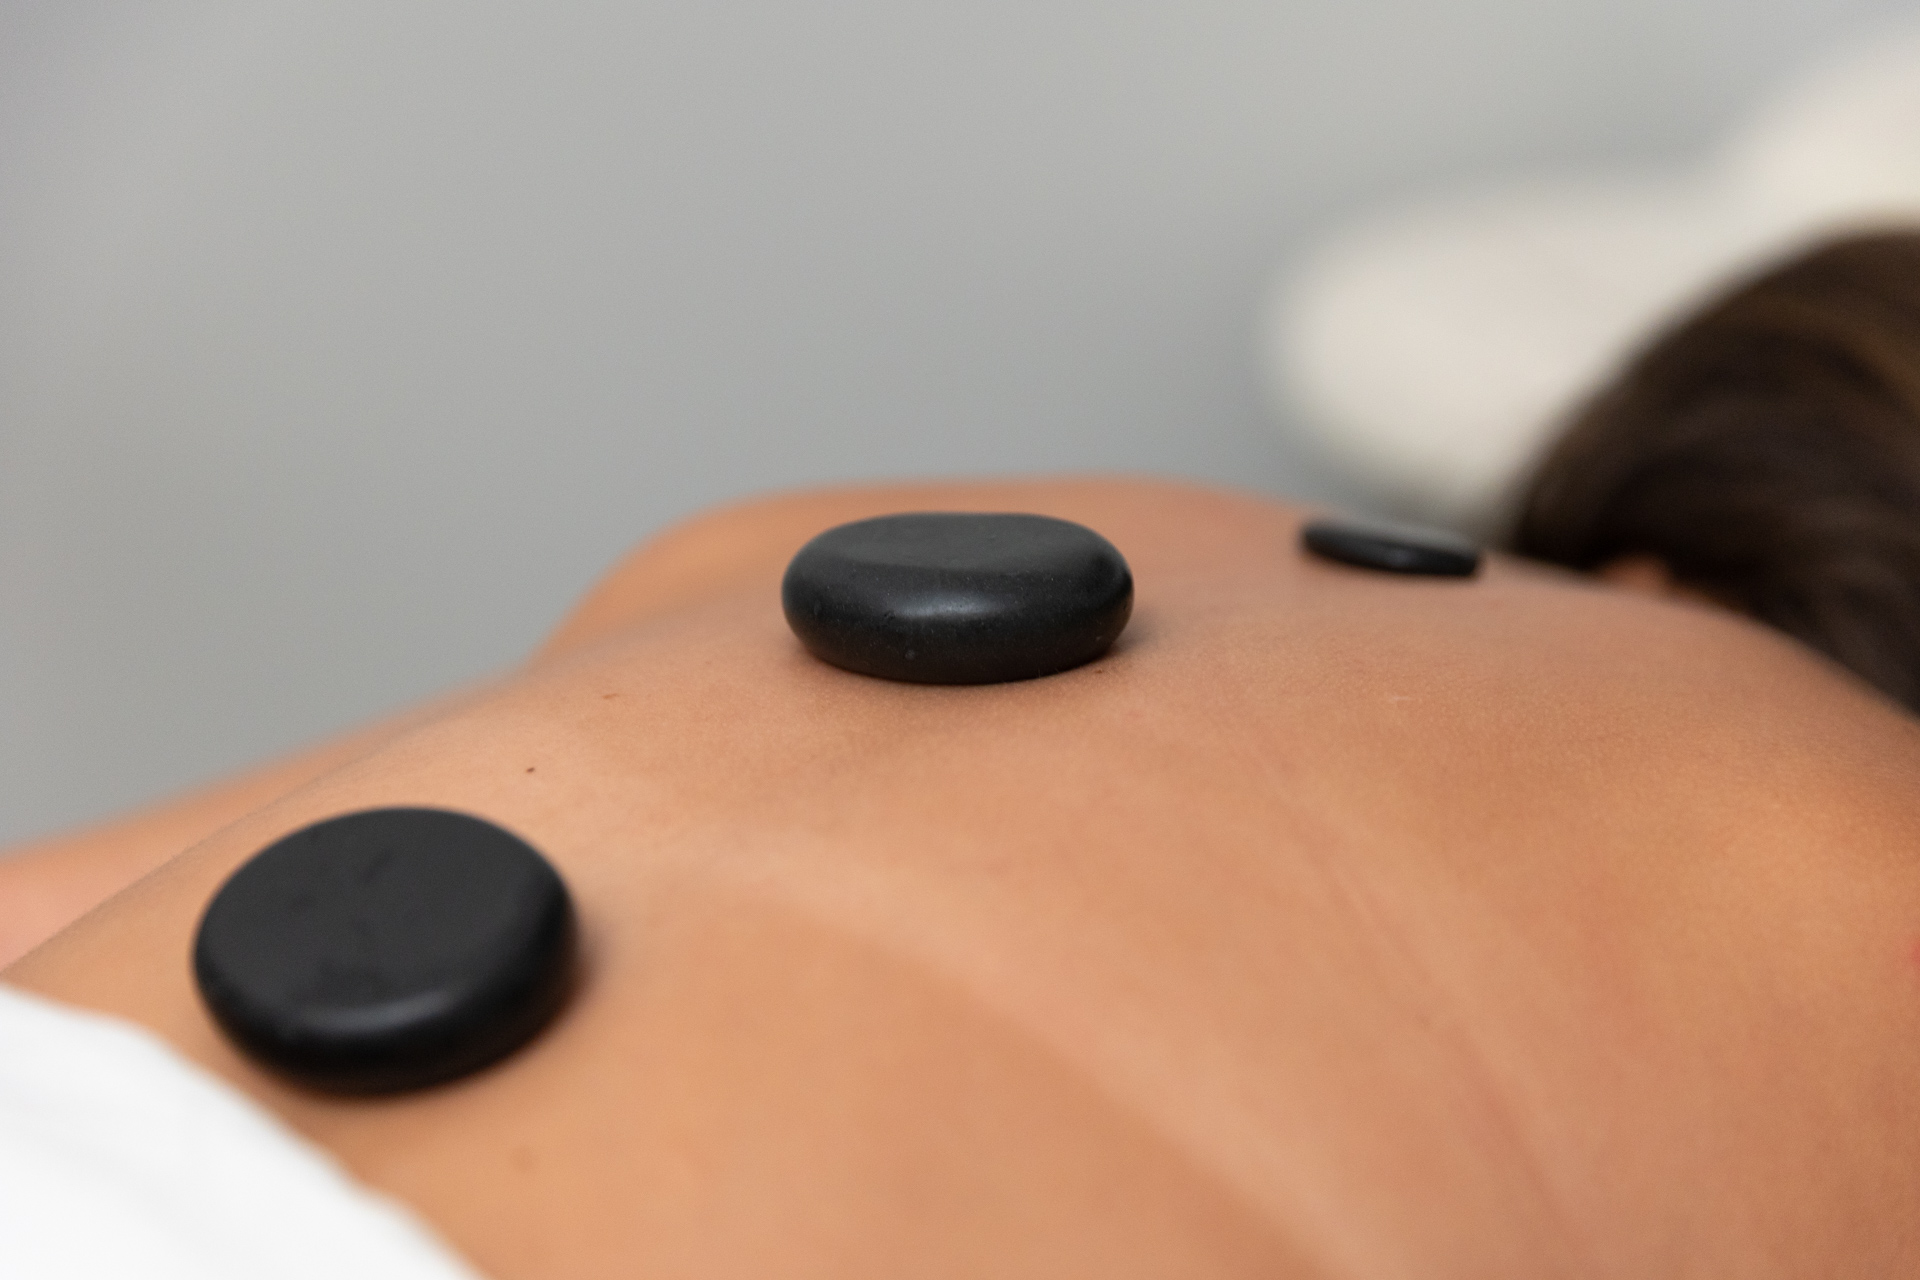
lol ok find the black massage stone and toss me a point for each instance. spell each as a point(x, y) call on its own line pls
point(946, 597)
point(387, 950)
point(1392, 548)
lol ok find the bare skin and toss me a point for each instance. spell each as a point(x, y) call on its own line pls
point(1334, 925)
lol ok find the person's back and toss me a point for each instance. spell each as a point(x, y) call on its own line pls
point(1333, 924)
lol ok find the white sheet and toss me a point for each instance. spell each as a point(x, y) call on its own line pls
point(120, 1160)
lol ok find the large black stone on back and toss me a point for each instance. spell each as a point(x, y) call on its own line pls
point(1392, 548)
point(946, 597)
point(386, 950)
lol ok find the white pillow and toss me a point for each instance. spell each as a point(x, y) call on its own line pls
point(1433, 350)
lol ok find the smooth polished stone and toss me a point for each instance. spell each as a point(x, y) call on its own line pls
point(387, 950)
point(945, 597)
point(1392, 548)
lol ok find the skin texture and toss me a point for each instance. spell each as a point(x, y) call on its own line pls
point(1335, 924)
point(46, 885)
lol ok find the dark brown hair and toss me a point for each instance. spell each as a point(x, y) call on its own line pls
point(1767, 449)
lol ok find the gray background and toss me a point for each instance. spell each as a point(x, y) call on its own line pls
point(342, 344)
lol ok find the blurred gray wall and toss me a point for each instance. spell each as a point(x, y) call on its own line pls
point(342, 344)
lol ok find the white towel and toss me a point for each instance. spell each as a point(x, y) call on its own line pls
point(120, 1160)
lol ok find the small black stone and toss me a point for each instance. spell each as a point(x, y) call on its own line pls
point(1392, 548)
point(387, 950)
point(947, 597)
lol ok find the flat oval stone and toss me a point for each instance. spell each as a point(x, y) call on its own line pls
point(947, 597)
point(1392, 548)
point(387, 950)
